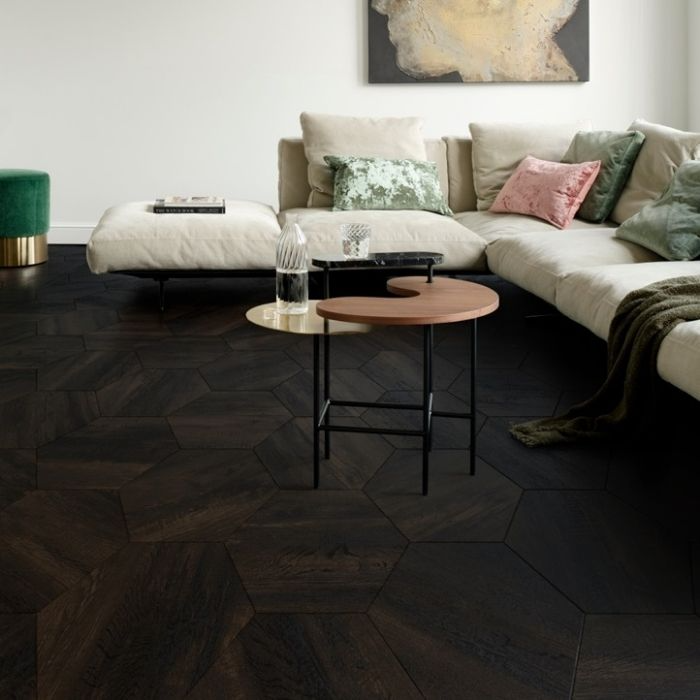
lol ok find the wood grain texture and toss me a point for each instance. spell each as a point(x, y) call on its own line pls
point(603, 555)
point(326, 657)
point(442, 301)
point(196, 496)
point(639, 657)
point(316, 551)
point(17, 475)
point(182, 353)
point(288, 455)
point(151, 392)
point(149, 623)
point(473, 620)
point(50, 539)
point(558, 467)
point(105, 454)
point(249, 371)
point(88, 371)
point(461, 508)
point(18, 656)
point(228, 420)
point(36, 419)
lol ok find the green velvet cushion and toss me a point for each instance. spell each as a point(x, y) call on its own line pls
point(671, 225)
point(617, 151)
point(377, 183)
point(24, 203)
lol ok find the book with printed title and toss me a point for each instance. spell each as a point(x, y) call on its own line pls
point(189, 205)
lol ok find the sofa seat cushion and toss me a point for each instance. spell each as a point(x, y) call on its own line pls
point(591, 296)
point(679, 358)
point(393, 231)
point(131, 237)
point(491, 226)
point(538, 261)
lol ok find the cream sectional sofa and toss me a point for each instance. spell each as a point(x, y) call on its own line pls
point(584, 270)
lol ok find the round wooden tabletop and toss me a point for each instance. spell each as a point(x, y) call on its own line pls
point(443, 300)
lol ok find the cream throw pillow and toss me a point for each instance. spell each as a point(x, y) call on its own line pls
point(498, 149)
point(663, 151)
point(333, 135)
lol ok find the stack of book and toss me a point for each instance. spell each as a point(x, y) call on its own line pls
point(189, 205)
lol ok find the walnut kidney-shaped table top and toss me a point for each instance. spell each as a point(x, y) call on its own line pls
point(418, 303)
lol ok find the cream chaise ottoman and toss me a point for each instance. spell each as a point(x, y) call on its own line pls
point(131, 239)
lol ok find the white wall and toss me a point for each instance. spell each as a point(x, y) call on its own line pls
point(129, 100)
point(693, 65)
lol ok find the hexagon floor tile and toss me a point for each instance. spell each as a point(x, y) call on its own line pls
point(473, 620)
point(556, 467)
point(105, 454)
point(307, 656)
point(246, 370)
point(50, 539)
point(602, 554)
point(196, 496)
point(638, 657)
point(224, 475)
point(320, 551)
point(228, 420)
point(458, 508)
point(148, 623)
point(288, 455)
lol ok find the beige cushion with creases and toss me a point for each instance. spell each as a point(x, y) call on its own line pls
point(335, 135)
point(393, 231)
point(591, 296)
point(679, 358)
point(459, 166)
point(491, 226)
point(131, 237)
point(537, 261)
point(664, 149)
point(498, 148)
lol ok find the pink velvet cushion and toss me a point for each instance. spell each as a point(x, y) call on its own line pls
point(547, 190)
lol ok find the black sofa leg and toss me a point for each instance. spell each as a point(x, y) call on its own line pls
point(161, 292)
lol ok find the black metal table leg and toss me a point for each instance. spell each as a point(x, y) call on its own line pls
point(427, 371)
point(161, 293)
point(472, 399)
point(316, 397)
point(431, 343)
point(327, 367)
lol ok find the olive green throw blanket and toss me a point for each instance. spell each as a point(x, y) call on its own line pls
point(643, 319)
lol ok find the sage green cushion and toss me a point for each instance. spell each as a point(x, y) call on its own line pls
point(24, 203)
point(616, 151)
point(671, 225)
point(378, 183)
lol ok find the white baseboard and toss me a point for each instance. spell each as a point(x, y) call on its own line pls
point(70, 233)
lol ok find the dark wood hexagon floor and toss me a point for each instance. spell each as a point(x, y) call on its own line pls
point(159, 536)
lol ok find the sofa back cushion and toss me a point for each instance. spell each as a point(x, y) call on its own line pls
point(293, 184)
point(664, 149)
point(499, 147)
point(363, 137)
point(461, 173)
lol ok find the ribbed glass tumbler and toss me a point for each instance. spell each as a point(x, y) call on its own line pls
point(354, 240)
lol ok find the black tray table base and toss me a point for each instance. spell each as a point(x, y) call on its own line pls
point(322, 408)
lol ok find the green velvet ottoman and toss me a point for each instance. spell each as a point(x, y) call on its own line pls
point(24, 217)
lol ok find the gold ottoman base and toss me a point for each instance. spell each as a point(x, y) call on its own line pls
point(23, 251)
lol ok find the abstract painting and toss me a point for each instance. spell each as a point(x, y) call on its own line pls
point(478, 41)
